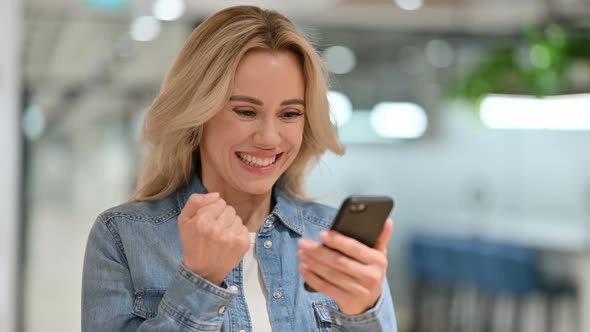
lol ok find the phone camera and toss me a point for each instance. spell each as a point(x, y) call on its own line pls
point(358, 207)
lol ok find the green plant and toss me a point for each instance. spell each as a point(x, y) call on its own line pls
point(537, 66)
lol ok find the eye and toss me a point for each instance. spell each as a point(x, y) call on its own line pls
point(291, 114)
point(247, 113)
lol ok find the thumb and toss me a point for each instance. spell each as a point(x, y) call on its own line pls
point(381, 243)
point(194, 203)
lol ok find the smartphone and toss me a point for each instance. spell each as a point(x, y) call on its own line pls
point(362, 218)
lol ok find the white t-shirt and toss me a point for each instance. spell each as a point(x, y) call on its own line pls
point(254, 290)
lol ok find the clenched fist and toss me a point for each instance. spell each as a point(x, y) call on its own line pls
point(214, 239)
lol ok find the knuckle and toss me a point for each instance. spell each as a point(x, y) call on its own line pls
point(229, 214)
point(381, 262)
point(222, 202)
point(220, 237)
point(201, 215)
point(384, 264)
point(194, 199)
point(202, 228)
point(182, 220)
point(374, 278)
point(364, 292)
point(238, 220)
point(206, 224)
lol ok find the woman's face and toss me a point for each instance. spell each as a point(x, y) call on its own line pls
point(256, 136)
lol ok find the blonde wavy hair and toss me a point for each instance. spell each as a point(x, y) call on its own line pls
point(199, 84)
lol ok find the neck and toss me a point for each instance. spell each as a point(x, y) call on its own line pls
point(252, 209)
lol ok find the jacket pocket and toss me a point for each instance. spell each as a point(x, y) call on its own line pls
point(146, 302)
point(322, 314)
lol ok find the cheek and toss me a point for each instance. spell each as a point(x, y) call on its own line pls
point(225, 131)
point(300, 130)
point(294, 135)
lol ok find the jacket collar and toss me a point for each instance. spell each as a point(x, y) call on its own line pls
point(287, 208)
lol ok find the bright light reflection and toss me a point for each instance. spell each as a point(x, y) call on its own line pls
point(168, 10)
point(440, 53)
point(33, 122)
point(570, 112)
point(144, 28)
point(340, 59)
point(398, 120)
point(410, 4)
point(340, 108)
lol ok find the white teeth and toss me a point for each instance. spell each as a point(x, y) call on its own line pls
point(259, 162)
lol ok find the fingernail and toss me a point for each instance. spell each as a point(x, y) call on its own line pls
point(324, 235)
point(212, 195)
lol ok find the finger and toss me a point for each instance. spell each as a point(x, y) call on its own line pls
point(321, 285)
point(329, 257)
point(213, 210)
point(316, 282)
point(333, 266)
point(227, 216)
point(194, 203)
point(237, 227)
point(381, 243)
point(350, 247)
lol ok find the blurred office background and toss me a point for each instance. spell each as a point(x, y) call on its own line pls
point(434, 100)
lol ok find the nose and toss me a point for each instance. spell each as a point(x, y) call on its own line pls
point(267, 135)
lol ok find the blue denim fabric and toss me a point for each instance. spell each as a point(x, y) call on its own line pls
point(133, 277)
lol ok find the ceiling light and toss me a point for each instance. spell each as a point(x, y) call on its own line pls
point(340, 108)
point(409, 4)
point(569, 112)
point(398, 120)
point(144, 28)
point(168, 10)
point(340, 59)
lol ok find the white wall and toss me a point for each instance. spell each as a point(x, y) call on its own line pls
point(9, 153)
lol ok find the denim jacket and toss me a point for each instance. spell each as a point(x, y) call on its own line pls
point(133, 277)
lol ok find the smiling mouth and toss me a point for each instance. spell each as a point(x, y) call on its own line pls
point(257, 161)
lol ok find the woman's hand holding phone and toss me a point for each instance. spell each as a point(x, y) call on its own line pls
point(345, 269)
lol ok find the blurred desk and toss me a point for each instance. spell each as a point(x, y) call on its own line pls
point(567, 240)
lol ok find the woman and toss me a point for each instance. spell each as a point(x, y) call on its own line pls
point(219, 235)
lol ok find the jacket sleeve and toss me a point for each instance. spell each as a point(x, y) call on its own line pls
point(108, 296)
point(380, 318)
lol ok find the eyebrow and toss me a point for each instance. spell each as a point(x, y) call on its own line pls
point(259, 102)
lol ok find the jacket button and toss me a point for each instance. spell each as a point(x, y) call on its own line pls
point(221, 310)
point(233, 289)
point(268, 223)
point(267, 244)
point(277, 294)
